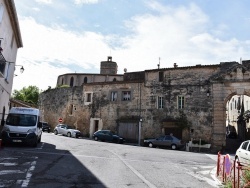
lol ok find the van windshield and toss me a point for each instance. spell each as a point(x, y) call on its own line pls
point(21, 120)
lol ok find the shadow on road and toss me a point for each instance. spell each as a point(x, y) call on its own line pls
point(44, 166)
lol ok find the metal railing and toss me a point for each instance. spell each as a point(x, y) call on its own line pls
point(232, 173)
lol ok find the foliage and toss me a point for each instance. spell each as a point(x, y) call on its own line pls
point(29, 94)
point(182, 121)
point(246, 176)
point(246, 115)
point(228, 184)
point(62, 86)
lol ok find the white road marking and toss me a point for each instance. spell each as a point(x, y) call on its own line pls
point(8, 164)
point(135, 171)
point(29, 174)
point(4, 172)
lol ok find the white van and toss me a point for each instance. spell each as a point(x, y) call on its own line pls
point(22, 126)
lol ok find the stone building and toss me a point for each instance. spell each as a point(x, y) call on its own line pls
point(108, 73)
point(189, 102)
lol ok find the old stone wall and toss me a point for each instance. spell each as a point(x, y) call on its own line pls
point(199, 92)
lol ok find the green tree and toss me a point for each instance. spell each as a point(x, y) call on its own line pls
point(29, 94)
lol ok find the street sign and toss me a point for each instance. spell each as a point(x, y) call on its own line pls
point(60, 120)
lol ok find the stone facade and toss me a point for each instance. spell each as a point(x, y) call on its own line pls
point(158, 97)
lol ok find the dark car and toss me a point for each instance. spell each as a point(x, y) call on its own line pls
point(46, 127)
point(107, 136)
point(165, 141)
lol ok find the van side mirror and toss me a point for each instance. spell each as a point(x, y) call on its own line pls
point(40, 124)
point(2, 122)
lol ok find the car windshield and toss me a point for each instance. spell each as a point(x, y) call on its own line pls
point(70, 127)
point(21, 120)
point(45, 124)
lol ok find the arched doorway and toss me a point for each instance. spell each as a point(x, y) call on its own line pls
point(236, 123)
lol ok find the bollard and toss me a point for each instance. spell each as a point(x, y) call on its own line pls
point(187, 147)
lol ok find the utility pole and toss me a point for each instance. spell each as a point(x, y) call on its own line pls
point(140, 119)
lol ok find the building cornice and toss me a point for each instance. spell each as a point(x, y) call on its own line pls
point(10, 5)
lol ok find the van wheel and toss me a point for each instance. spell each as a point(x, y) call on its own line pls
point(35, 144)
point(69, 134)
point(55, 132)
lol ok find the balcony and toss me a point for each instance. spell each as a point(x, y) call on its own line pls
point(2, 65)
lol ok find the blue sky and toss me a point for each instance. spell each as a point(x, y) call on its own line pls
point(70, 36)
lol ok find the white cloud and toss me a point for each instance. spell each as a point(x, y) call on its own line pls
point(177, 35)
point(49, 52)
point(44, 1)
point(79, 2)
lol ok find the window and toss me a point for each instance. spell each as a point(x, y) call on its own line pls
point(71, 109)
point(62, 81)
point(88, 98)
point(168, 137)
point(71, 82)
point(7, 76)
point(1, 12)
point(244, 146)
point(180, 102)
point(126, 95)
point(114, 96)
point(12, 41)
point(160, 103)
point(85, 80)
point(161, 75)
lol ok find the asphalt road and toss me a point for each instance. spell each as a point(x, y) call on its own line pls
point(59, 161)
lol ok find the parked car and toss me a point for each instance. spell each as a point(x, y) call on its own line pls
point(46, 127)
point(165, 141)
point(243, 153)
point(107, 136)
point(67, 130)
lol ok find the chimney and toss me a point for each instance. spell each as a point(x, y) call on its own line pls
point(109, 58)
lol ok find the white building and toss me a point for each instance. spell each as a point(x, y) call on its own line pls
point(234, 107)
point(10, 41)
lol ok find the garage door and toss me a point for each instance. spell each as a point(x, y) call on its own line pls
point(129, 131)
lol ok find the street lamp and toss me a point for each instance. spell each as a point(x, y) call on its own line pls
point(139, 139)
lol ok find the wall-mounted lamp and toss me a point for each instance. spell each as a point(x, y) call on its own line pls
point(21, 69)
point(208, 93)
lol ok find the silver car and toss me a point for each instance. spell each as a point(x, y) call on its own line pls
point(67, 130)
point(165, 141)
point(243, 153)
